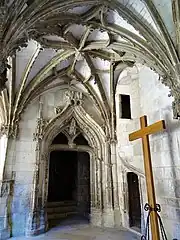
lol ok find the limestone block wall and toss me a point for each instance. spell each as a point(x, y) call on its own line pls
point(150, 97)
point(22, 153)
point(165, 148)
point(20, 165)
point(129, 154)
point(128, 84)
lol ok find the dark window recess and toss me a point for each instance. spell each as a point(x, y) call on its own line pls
point(80, 140)
point(125, 106)
point(60, 139)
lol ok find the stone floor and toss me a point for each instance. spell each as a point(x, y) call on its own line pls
point(73, 230)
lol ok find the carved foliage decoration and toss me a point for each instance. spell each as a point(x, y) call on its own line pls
point(74, 98)
point(9, 130)
point(176, 107)
point(38, 135)
point(3, 129)
point(58, 109)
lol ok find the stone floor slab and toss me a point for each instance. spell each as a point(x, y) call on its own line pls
point(83, 233)
point(75, 229)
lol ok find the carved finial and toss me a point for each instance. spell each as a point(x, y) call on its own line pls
point(41, 123)
point(72, 127)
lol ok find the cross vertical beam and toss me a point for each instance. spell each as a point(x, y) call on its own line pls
point(144, 134)
point(150, 181)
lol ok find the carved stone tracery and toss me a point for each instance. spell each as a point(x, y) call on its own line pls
point(72, 120)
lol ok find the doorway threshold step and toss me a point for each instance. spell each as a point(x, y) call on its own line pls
point(61, 209)
point(62, 203)
point(60, 215)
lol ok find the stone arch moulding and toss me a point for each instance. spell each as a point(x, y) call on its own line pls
point(87, 126)
point(96, 139)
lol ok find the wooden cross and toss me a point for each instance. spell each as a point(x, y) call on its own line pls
point(143, 133)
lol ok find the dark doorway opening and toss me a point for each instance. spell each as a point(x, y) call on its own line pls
point(69, 186)
point(134, 201)
point(62, 176)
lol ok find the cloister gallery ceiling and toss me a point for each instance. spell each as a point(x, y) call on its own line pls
point(84, 43)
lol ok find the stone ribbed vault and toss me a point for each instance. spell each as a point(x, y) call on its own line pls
point(83, 47)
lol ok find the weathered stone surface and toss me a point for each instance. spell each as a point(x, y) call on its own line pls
point(19, 224)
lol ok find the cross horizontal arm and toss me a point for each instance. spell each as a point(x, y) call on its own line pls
point(154, 128)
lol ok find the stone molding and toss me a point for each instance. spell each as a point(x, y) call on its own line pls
point(72, 118)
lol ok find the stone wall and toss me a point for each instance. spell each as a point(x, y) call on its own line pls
point(150, 97)
point(129, 154)
point(165, 148)
point(23, 154)
point(20, 164)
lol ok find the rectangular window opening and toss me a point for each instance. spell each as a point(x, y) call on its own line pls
point(125, 106)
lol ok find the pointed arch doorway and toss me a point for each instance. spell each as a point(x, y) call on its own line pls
point(76, 125)
point(69, 181)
